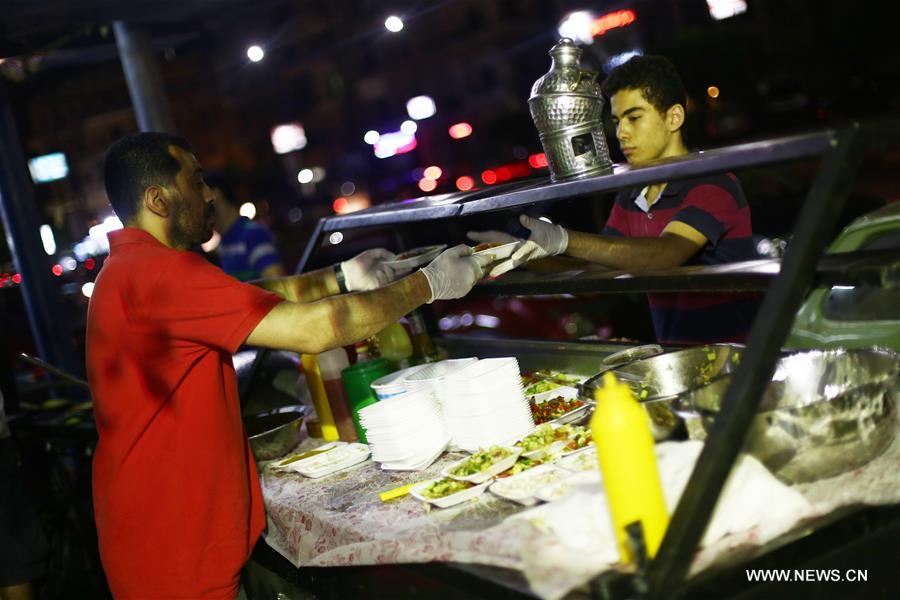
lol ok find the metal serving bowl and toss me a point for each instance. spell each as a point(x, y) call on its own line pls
point(823, 413)
point(274, 433)
point(660, 380)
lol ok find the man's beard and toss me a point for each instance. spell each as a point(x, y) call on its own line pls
point(184, 234)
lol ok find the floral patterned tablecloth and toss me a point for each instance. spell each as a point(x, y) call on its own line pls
point(340, 520)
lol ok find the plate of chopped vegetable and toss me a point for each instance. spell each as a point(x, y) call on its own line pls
point(552, 438)
point(521, 465)
point(446, 492)
point(558, 410)
point(484, 464)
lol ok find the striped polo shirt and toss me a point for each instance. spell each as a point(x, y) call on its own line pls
point(715, 206)
point(246, 249)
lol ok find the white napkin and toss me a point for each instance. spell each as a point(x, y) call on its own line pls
point(584, 543)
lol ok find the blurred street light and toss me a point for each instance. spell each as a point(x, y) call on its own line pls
point(393, 24)
point(420, 107)
point(255, 53)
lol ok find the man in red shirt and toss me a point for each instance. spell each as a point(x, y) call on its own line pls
point(176, 497)
point(698, 221)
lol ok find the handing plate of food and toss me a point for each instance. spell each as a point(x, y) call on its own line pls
point(494, 251)
point(416, 257)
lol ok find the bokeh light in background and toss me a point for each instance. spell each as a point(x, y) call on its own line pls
point(305, 176)
point(394, 24)
point(247, 209)
point(489, 177)
point(460, 130)
point(409, 127)
point(712, 91)
point(371, 137)
point(433, 172)
point(465, 183)
point(421, 107)
point(427, 185)
point(577, 27)
point(255, 53)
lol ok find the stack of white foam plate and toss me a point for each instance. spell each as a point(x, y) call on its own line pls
point(393, 384)
point(484, 404)
point(405, 432)
point(429, 375)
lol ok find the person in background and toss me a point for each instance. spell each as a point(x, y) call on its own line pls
point(247, 250)
point(176, 495)
point(23, 547)
point(702, 220)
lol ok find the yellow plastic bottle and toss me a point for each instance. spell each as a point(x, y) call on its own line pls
point(628, 464)
point(319, 397)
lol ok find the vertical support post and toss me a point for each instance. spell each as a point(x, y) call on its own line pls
point(816, 224)
point(22, 222)
point(143, 79)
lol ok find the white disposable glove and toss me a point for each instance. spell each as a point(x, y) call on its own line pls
point(546, 239)
point(367, 271)
point(453, 273)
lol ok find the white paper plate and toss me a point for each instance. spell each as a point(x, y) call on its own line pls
point(501, 252)
point(561, 488)
point(335, 459)
point(423, 256)
point(497, 467)
point(565, 391)
point(450, 500)
point(522, 486)
point(581, 460)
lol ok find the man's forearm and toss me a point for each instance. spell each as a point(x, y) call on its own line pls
point(630, 253)
point(306, 287)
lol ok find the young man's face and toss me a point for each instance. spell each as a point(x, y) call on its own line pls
point(645, 134)
point(193, 214)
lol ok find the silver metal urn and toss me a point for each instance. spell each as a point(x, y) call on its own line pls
point(567, 108)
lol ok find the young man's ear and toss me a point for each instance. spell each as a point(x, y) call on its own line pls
point(156, 200)
point(675, 117)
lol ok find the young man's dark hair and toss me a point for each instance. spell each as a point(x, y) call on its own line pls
point(135, 162)
point(654, 76)
point(217, 181)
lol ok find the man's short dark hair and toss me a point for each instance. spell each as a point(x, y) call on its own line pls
point(217, 181)
point(654, 76)
point(136, 162)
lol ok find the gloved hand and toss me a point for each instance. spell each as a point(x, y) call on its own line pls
point(453, 273)
point(546, 239)
point(367, 271)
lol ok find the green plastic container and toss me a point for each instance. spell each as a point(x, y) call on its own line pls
point(358, 380)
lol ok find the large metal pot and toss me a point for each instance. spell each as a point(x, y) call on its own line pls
point(658, 381)
point(274, 433)
point(823, 413)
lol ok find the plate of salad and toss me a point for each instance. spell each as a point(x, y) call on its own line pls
point(446, 492)
point(521, 465)
point(559, 410)
point(552, 438)
point(484, 464)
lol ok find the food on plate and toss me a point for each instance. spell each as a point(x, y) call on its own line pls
point(524, 486)
point(539, 381)
point(579, 437)
point(583, 461)
point(522, 464)
point(445, 487)
point(553, 408)
point(480, 461)
point(486, 245)
point(413, 253)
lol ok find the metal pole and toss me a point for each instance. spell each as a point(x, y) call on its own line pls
point(816, 224)
point(22, 222)
point(143, 79)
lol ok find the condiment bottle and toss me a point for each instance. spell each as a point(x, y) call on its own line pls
point(627, 460)
point(331, 363)
point(395, 345)
point(319, 398)
point(423, 349)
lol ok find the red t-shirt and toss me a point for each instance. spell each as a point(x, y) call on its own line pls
point(176, 494)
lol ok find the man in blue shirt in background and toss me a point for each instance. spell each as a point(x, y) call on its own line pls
point(247, 250)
